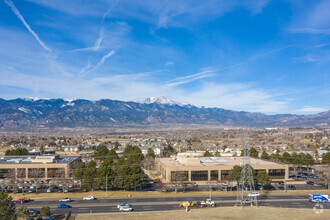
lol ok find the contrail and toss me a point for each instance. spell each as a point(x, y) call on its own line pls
point(18, 14)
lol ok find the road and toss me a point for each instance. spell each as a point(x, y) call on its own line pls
point(168, 203)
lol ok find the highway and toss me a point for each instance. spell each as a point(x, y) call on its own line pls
point(168, 203)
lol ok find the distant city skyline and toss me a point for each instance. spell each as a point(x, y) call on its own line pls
point(257, 55)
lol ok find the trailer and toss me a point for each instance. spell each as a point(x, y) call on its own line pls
point(318, 197)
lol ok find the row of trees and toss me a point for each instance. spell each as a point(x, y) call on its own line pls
point(18, 151)
point(294, 158)
point(261, 178)
point(113, 171)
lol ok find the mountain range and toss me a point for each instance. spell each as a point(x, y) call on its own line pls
point(34, 113)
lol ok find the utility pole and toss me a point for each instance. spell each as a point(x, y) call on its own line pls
point(106, 186)
point(246, 183)
point(210, 191)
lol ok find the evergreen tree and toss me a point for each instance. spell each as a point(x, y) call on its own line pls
point(265, 155)
point(207, 154)
point(326, 158)
point(217, 154)
point(287, 158)
point(263, 178)
point(45, 211)
point(104, 174)
point(235, 173)
point(22, 212)
point(112, 156)
point(7, 207)
point(135, 155)
point(101, 153)
point(89, 174)
point(150, 153)
point(309, 160)
point(254, 152)
point(78, 173)
point(127, 150)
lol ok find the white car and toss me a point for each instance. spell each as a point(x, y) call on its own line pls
point(126, 209)
point(123, 204)
point(65, 200)
point(89, 198)
point(253, 194)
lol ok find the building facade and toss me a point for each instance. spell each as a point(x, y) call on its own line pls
point(190, 167)
point(38, 167)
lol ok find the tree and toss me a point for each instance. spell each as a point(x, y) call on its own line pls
point(22, 212)
point(207, 154)
point(254, 152)
point(264, 155)
point(89, 174)
point(150, 153)
point(112, 156)
point(217, 154)
point(127, 150)
point(263, 178)
point(17, 152)
point(78, 173)
point(104, 174)
point(116, 145)
point(308, 160)
point(235, 173)
point(7, 207)
point(169, 150)
point(101, 153)
point(135, 155)
point(45, 211)
point(326, 158)
point(287, 158)
point(276, 157)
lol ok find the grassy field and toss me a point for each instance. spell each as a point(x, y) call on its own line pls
point(133, 194)
point(230, 213)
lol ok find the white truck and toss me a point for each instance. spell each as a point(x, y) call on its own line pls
point(207, 203)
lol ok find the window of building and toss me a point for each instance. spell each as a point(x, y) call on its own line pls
point(224, 174)
point(200, 175)
point(36, 173)
point(214, 174)
point(7, 173)
point(179, 176)
point(276, 173)
point(257, 171)
point(56, 173)
point(21, 172)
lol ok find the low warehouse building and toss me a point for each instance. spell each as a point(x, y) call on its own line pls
point(193, 167)
point(38, 167)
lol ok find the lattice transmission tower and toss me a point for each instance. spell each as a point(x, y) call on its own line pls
point(246, 183)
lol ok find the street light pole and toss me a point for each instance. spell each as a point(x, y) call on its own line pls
point(106, 185)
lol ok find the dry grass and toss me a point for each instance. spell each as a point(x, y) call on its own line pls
point(230, 213)
point(124, 194)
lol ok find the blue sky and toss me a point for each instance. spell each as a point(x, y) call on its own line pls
point(254, 55)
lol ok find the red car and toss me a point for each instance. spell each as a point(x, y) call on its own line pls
point(22, 200)
point(310, 182)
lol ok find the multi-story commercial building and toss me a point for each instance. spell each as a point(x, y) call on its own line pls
point(38, 167)
point(193, 167)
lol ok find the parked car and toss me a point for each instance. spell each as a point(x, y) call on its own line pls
point(65, 200)
point(89, 198)
point(310, 182)
point(63, 206)
point(268, 187)
point(49, 190)
point(194, 184)
point(33, 211)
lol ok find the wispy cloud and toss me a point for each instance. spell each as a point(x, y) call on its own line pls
point(311, 109)
point(310, 31)
point(190, 78)
point(103, 59)
point(98, 41)
point(109, 9)
point(19, 15)
point(85, 68)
